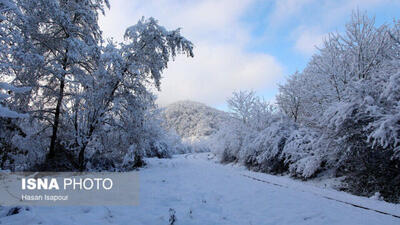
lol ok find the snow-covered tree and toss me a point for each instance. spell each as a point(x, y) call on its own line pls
point(254, 135)
point(65, 37)
point(10, 38)
point(241, 104)
point(344, 110)
point(118, 93)
point(83, 92)
point(5, 89)
point(290, 96)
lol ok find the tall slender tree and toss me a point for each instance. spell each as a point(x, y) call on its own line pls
point(66, 34)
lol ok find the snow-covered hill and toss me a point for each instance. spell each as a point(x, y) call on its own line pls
point(193, 121)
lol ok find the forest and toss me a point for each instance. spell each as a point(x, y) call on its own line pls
point(73, 101)
point(338, 117)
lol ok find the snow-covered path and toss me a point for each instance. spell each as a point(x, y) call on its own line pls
point(206, 193)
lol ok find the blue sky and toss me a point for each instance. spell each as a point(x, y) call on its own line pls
point(279, 39)
point(241, 44)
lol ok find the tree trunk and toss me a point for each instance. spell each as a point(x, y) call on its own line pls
point(53, 140)
point(81, 158)
point(56, 120)
point(92, 127)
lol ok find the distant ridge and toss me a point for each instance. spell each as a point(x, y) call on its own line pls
point(192, 120)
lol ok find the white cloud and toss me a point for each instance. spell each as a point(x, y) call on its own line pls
point(221, 64)
point(308, 40)
point(315, 19)
point(285, 9)
point(215, 72)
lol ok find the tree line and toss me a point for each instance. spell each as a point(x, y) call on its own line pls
point(339, 117)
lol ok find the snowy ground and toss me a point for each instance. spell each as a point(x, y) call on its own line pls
point(204, 192)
